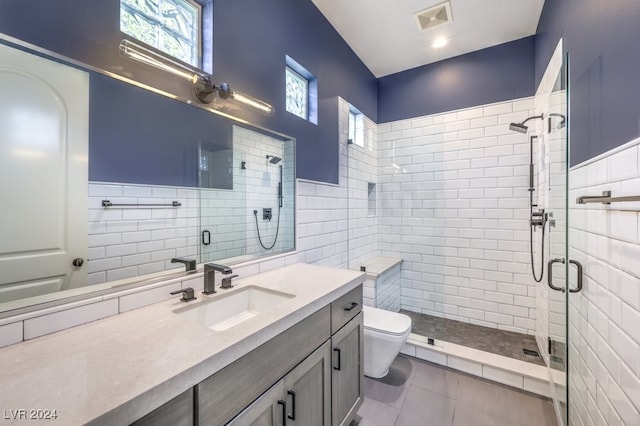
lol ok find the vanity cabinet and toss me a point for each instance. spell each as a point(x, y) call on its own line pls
point(302, 397)
point(309, 375)
point(229, 391)
point(177, 412)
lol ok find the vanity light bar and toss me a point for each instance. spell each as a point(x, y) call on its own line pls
point(203, 87)
point(131, 50)
point(251, 101)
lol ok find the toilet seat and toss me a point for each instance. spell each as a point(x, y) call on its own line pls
point(386, 322)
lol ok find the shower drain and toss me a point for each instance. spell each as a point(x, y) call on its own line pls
point(530, 352)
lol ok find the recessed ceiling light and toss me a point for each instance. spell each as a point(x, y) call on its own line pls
point(439, 42)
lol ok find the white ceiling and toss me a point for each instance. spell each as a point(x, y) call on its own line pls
point(386, 37)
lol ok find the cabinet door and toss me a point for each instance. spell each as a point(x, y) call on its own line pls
point(308, 390)
point(347, 371)
point(268, 410)
point(177, 412)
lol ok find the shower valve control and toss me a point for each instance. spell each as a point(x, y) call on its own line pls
point(266, 214)
point(551, 220)
point(538, 218)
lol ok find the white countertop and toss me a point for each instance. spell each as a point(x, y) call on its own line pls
point(118, 369)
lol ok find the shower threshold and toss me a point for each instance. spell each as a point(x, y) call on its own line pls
point(500, 342)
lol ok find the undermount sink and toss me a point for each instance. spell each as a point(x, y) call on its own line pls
point(228, 310)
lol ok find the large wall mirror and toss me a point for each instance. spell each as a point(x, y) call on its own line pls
point(106, 181)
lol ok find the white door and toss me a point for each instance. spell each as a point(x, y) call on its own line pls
point(43, 175)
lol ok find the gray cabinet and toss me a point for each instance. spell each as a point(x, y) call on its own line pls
point(302, 397)
point(268, 410)
point(177, 412)
point(226, 393)
point(312, 374)
point(308, 390)
point(347, 384)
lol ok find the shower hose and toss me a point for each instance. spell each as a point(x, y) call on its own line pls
point(533, 268)
point(255, 215)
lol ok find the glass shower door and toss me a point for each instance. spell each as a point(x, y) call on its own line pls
point(554, 153)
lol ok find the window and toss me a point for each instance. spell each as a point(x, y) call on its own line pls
point(171, 26)
point(297, 94)
point(301, 91)
point(356, 127)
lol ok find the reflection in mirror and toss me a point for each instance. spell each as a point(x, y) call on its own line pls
point(159, 178)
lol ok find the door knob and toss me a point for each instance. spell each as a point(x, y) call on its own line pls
point(78, 262)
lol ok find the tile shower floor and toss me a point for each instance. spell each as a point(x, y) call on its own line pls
point(418, 393)
point(501, 342)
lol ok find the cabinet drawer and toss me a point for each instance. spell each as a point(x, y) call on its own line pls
point(230, 390)
point(346, 308)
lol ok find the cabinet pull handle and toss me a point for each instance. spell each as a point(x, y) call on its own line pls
point(293, 405)
point(351, 306)
point(284, 411)
point(337, 350)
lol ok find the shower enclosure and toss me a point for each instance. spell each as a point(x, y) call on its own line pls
point(455, 197)
point(247, 197)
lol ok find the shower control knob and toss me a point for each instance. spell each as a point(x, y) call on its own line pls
point(78, 262)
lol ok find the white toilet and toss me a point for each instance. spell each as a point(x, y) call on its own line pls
point(384, 334)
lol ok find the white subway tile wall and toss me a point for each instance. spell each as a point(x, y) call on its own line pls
point(388, 289)
point(361, 177)
point(604, 318)
point(454, 206)
point(334, 227)
point(127, 241)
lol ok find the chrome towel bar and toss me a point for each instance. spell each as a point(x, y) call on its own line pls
point(606, 198)
point(107, 203)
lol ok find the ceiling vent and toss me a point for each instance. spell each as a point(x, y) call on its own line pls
point(434, 16)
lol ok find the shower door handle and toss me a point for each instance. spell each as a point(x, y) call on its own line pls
point(550, 274)
point(206, 237)
point(579, 268)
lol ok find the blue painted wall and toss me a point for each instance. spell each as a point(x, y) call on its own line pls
point(603, 41)
point(148, 147)
point(494, 74)
point(250, 41)
point(253, 38)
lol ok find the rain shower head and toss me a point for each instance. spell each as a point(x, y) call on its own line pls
point(517, 127)
point(520, 127)
point(273, 159)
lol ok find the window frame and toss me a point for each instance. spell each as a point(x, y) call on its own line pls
point(356, 123)
point(199, 8)
point(299, 76)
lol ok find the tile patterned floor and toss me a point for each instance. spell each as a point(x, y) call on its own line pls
point(486, 339)
point(418, 393)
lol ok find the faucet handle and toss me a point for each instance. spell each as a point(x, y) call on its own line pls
point(187, 294)
point(226, 282)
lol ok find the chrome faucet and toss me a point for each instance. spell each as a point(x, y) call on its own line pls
point(190, 264)
point(210, 276)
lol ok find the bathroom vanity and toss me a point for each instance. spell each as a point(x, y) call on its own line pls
point(298, 360)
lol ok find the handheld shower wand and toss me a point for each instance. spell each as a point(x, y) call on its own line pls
point(539, 216)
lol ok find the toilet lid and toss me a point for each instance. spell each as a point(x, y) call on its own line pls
point(385, 321)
